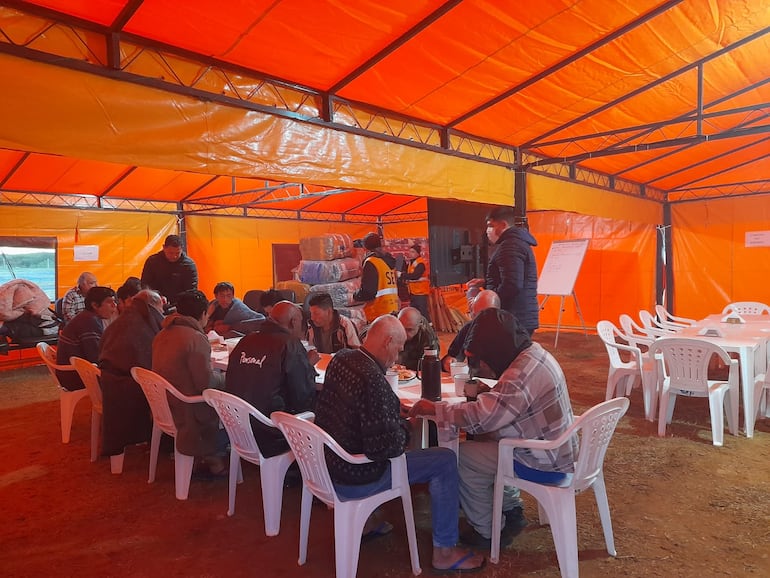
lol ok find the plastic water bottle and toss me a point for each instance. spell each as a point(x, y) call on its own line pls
point(430, 375)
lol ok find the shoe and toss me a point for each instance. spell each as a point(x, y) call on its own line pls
point(456, 569)
point(515, 521)
point(382, 529)
point(475, 540)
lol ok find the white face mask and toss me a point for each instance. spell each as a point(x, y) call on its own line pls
point(491, 235)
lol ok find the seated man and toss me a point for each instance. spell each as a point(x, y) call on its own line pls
point(529, 401)
point(127, 343)
point(181, 353)
point(271, 370)
point(74, 299)
point(419, 337)
point(226, 313)
point(484, 300)
point(329, 331)
point(127, 291)
point(268, 299)
point(80, 337)
point(359, 410)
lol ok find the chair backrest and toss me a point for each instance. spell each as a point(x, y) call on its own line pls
point(596, 427)
point(747, 308)
point(252, 299)
point(48, 355)
point(607, 332)
point(307, 442)
point(648, 320)
point(155, 389)
point(89, 375)
point(234, 414)
point(685, 362)
point(632, 332)
point(287, 294)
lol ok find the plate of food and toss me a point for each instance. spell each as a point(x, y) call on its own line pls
point(404, 374)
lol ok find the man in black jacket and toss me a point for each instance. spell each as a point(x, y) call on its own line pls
point(271, 370)
point(170, 271)
point(512, 271)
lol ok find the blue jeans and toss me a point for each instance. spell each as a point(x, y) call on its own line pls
point(438, 468)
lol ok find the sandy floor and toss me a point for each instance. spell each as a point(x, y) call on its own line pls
point(680, 506)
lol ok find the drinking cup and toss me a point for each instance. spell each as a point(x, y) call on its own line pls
point(460, 380)
point(471, 389)
point(457, 367)
point(392, 377)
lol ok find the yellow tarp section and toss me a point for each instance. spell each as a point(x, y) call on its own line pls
point(712, 264)
point(60, 111)
point(618, 272)
point(124, 239)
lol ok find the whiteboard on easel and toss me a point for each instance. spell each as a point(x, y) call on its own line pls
point(561, 267)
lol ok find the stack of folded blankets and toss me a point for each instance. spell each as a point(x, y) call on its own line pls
point(329, 265)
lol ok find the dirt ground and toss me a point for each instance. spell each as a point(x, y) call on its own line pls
point(680, 506)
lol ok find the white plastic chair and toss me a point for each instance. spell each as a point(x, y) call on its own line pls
point(682, 367)
point(234, 413)
point(624, 375)
point(67, 399)
point(155, 389)
point(670, 321)
point(307, 441)
point(651, 327)
point(747, 308)
point(634, 333)
point(90, 375)
point(556, 503)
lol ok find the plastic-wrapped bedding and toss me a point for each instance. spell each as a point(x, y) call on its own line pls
point(315, 272)
point(326, 247)
point(341, 293)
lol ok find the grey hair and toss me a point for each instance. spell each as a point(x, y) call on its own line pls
point(152, 298)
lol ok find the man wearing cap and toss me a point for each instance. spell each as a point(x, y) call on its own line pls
point(417, 280)
point(419, 337)
point(529, 401)
point(378, 280)
point(170, 271)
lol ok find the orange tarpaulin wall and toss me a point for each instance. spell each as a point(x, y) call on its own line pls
point(712, 264)
point(618, 272)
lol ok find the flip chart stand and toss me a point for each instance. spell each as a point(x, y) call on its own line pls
point(561, 310)
point(559, 274)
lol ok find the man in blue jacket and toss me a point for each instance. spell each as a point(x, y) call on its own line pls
point(512, 271)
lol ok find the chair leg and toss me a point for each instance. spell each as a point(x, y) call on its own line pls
point(116, 463)
point(563, 517)
point(663, 412)
point(600, 492)
point(272, 473)
point(235, 473)
point(154, 450)
point(497, 518)
point(716, 409)
point(650, 395)
point(183, 466)
point(348, 526)
point(731, 408)
point(96, 426)
point(406, 499)
point(304, 523)
point(67, 402)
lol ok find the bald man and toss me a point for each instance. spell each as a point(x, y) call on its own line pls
point(419, 337)
point(271, 370)
point(358, 408)
point(486, 299)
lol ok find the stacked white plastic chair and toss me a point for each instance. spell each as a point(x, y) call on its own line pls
point(670, 321)
point(556, 503)
point(235, 415)
point(624, 375)
point(67, 399)
point(307, 441)
point(682, 366)
point(155, 389)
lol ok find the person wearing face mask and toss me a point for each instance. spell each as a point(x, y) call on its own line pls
point(529, 401)
point(512, 270)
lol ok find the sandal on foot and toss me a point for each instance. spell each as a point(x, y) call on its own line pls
point(455, 568)
point(382, 529)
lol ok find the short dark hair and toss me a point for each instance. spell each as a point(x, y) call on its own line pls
point(172, 241)
point(223, 286)
point(192, 303)
point(502, 213)
point(96, 295)
point(372, 241)
point(270, 298)
point(126, 290)
point(133, 282)
point(322, 300)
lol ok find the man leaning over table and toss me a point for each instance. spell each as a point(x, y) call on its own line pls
point(359, 410)
point(529, 401)
point(271, 370)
